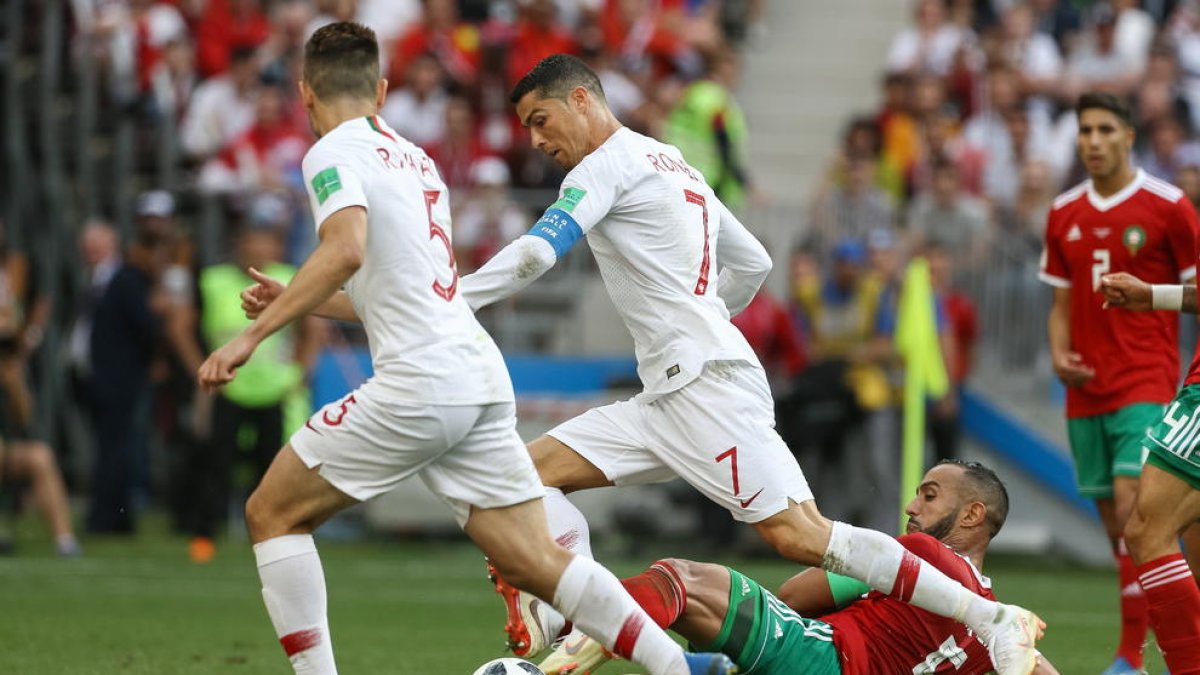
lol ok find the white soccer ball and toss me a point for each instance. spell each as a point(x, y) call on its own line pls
point(508, 666)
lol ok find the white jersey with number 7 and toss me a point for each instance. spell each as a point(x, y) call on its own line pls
point(675, 261)
point(426, 346)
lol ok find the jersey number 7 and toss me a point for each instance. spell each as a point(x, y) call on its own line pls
point(698, 199)
point(444, 292)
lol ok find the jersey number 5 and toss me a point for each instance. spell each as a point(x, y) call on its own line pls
point(435, 231)
point(698, 199)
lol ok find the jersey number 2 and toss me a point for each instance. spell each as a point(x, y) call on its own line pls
point(1101, 264)
point(444, 292)
point(698, 199)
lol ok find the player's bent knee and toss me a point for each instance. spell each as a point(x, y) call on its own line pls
point(264, 519)
point(796, 534)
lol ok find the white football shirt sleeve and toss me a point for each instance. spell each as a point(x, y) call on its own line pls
point(582, 203)
point(742, 262)
point(332, 185)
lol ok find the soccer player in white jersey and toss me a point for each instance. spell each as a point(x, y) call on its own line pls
point(677, 263)
point(440, 404)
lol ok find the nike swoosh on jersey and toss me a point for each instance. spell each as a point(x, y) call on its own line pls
point(747, 502)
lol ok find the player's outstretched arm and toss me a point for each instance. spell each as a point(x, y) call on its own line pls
point(335, 260)
point(509, 271)
point(743, 263)
point(1126, 291)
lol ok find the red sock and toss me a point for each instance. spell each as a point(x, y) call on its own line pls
point(1135, 614)
point(659, 591)
point(1174, 601)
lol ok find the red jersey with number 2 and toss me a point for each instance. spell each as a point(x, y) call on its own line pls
point(880, 634)
point(1148, 229)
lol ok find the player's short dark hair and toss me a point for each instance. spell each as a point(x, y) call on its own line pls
point(1102, 100)
point(983, 485)
point(555, 76)
point(342, 60)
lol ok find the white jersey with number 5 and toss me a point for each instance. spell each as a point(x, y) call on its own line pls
point(653, 225)
point(426, 346)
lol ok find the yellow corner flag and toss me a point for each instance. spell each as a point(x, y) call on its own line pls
point(924, 371)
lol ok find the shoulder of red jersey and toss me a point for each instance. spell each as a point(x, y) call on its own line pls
point(1070, 196)
point(950, 562)
point(1161, 188)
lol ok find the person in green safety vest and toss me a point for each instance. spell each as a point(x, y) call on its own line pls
point(269, 399)
point(708, 127)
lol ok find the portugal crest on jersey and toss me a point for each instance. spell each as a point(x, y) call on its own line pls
point(1134, 239)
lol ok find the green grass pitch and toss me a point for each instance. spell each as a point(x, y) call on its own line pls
point(140, 608)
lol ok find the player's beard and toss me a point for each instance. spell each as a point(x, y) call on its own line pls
point(939, 529)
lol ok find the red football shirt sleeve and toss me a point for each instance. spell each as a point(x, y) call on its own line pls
point(1053, 269)
point(1183, 239)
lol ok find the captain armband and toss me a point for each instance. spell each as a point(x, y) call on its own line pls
point(559, 229)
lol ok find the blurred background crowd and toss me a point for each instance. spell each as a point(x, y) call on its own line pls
point(153, 152)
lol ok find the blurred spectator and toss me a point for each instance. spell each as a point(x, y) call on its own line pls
point(388, 18)
point(958, 336)
point(1033, 56)
point(848, 204)
point(642, 43)
point(259, 398)
point(624, 97)
point(221, 107)
point(125, 332)
point(776, 341)
point(840, 312)
point(459, 148)
point(944, 143)
point(899, 135)
point(1188, 180)
point(1060, 20)
point(877, 380)
point(1160, 93)
point(101, 256)
point(226, 26)
point(266, 156)
point(136, 32)
point(537, 35)
point(1097, 64)
point(284, 45)
point(455, 44)
point(1134, 32)
point(708, 127)
point(33, 463)
point(1002, 176)
point(174, 79)
point(489, 218)
point(1169, 149)
point(417, 110)
point(946, 213)
point(930, 44)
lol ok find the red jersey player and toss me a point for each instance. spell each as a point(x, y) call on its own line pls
point(958, 508)
point(1120, 368)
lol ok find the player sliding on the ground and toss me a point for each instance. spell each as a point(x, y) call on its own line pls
point(1168, 499)
point(850, 630)
point(676, 263)
point(440, 404)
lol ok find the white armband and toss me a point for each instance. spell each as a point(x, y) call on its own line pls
point(1166, 296)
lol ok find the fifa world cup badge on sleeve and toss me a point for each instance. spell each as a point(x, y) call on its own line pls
point(326, 183)
point(571, 196)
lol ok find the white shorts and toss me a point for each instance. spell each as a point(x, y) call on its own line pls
point(467, 455)
point(717, 433)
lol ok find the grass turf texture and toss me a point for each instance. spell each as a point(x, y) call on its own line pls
point(139, 607)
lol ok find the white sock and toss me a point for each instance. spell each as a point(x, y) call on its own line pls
point(880, 560)
point(568, 526)
point(294, 591)
point(595, 601)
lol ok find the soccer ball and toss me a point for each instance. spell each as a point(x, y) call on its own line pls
point(508, 666)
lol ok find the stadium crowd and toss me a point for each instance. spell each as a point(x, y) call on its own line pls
point(208, 89)
point(972, 138)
